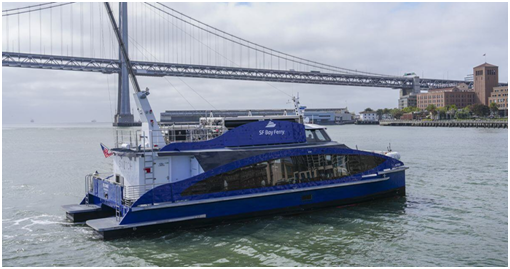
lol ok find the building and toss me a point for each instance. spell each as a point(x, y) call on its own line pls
point(407, 101)
point(485, 79)
point(499, 96)
point(386, 117)
point(327, 116)
point(368, 116)
point(407, 116)
point(322, 116)
point(446, 97)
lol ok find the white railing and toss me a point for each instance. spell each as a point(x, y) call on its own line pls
point(132, 193)
point(138, 140)
point(191, 133)
point(127, 138)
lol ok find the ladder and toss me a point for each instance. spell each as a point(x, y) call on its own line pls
point(118, 200)
point(148, 164)
point(117, 213)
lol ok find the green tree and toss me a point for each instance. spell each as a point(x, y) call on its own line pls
point(431, 108)
point(396, 113)
point(410, 109)
point(379, 113)
point(494, 108)
point(368, 110)
point(386, 111)
point(442, 112)
point(480, 110)
point(463, 114)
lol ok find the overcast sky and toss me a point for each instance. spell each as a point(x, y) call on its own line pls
point(434, 40)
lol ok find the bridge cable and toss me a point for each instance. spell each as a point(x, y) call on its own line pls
point(72, 29)
point(51, 31)
point(256, 49)
point(217, 53)
point(33, 10)
point(138, 45)
point(61, 32)
point(40, 32)
point(171, 84)
point(19, 43)
point(25, 7)
point(29, 32)
point(272, 50)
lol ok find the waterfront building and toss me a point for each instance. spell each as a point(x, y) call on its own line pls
point(499, 95)
point(324, 116)
point(485, 79)
point(407, 101)
point(386, 117)
point(327, 116)
point(368, 116)
point(407, 116)
point(446, 97)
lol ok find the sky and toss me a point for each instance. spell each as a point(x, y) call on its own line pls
point(434, 40)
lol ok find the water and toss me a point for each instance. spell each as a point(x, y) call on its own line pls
point(455, 212)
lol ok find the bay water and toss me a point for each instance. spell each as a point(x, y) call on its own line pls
point(455, 212)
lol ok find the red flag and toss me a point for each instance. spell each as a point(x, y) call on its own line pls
point(106, 151)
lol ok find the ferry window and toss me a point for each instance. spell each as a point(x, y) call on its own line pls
point(309, 136)
point(285, 171)
point(320, 136)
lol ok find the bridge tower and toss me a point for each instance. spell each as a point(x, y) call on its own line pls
point(408, 96)
point(123, 117)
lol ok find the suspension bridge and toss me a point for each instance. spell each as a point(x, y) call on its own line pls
point(163, 42)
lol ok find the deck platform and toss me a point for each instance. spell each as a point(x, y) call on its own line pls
point(110, 228)
point(82, 213)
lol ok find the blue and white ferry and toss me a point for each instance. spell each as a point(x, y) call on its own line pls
point(265, 165)
point(226, 169)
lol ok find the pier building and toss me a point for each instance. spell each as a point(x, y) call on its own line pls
point(323, 116)
point(446, 97)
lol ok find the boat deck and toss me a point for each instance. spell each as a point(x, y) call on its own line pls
point(111, 223)
point(82, 213)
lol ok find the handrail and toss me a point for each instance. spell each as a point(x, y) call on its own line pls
point(132, 193)
point(137, 140)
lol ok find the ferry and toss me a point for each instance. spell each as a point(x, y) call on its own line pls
point(226, 169)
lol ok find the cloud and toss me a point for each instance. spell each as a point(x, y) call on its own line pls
point(435, 40)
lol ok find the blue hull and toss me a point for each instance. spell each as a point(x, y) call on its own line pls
point(202, 213)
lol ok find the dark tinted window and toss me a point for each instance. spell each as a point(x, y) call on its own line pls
point(284, 171)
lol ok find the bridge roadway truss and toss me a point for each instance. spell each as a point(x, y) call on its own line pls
point(108, 66)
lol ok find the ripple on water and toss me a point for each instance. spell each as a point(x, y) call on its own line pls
point(455, 212)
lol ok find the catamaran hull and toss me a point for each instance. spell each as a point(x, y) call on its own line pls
point(204, 213)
